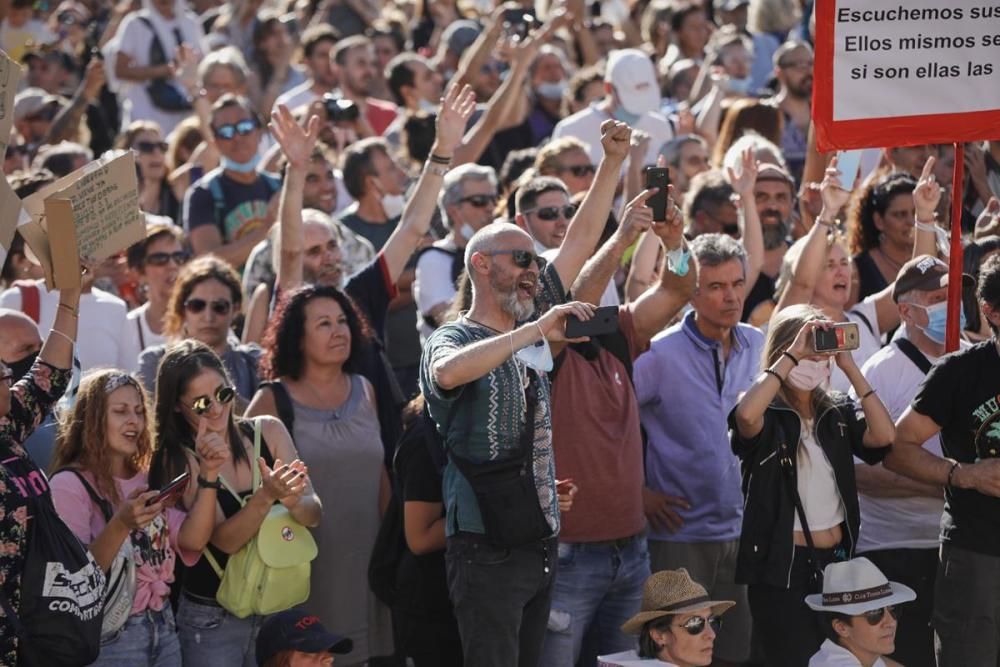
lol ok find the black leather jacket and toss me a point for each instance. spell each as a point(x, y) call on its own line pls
point(766, 544)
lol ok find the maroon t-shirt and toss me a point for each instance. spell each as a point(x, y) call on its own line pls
point(598, 444)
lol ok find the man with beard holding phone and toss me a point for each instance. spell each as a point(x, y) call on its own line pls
point(483, 377)
point(774, 196)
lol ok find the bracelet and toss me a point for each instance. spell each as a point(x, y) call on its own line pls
point(830, 224)
point(436, 169)
point(60, 333)
point(205, 484)
point(867, 394)
point(775, 374)
point(788, 354)
point(75, 312)
point(951, 473)
point(438, 159)
point(926, 226)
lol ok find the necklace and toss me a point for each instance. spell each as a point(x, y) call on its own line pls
point(485, 326)
point(893, 263)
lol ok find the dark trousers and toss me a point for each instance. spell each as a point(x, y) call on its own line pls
point(786, 630)
point(428, 640)
point(501, 598)
point(967, 608)
point(916, 568)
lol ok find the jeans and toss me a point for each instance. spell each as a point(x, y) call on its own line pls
point(148, 639)
point(966, 608)
point(598, 587)
point(501, 598)
point(916, 568)
point(213, 637)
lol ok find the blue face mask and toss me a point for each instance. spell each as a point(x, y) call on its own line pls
point(240, 167)
point(937, 321)
point(740, 86)
point(630, 119)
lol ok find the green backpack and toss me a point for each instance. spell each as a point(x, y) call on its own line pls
point(271, 572)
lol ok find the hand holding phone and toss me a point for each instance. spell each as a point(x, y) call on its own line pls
point(840, 337)
point(604, 321)
point(849, 164)
point(659, 178)
point(172, 491)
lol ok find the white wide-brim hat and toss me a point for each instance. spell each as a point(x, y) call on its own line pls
point(856, 586)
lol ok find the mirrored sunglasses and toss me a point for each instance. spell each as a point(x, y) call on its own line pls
point(242, 128)
point(203, 404)
point(696, 625)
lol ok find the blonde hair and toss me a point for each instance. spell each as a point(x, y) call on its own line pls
point(778, 16)
point(547, 160)
point(781, 332)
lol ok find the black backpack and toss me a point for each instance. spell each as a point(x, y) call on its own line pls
point(457, 266)
point(62, 587)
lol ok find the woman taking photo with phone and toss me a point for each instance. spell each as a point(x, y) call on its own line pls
point(194, 410)
point(100, 490)
point(797, 442)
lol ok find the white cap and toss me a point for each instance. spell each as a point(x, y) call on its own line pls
point(632, 74)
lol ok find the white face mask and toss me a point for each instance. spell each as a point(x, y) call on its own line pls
point(537, 356)
point(467, 232)
point(393, 205)
point(427, 106)
point(809, 374)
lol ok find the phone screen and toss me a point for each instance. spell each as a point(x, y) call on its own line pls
point(849, 163)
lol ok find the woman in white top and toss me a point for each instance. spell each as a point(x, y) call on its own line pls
point(858, 609)
point(821, 275)
point(156, 260)
point(676, 625)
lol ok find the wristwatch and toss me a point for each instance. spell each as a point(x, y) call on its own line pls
point(205, 484)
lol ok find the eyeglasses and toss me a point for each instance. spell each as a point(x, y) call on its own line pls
point(522, 258)
point(163, 258)
point(242, 128)
point(219, 306)
point(696, 625)
point(550, 213)
point(147, 147)
point(580, 170)
point(479, 201)
point(223, 396)
point(875, 616)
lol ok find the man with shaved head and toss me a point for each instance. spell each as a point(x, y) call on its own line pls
point(483, 377)
point(20, 343)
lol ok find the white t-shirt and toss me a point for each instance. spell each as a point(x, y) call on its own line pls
point(585, 125)
point(898, 523)
point(298, 96)
point(610, 295)
point(99, 334)
point(433, 284)
point(834, 655)
point(817, 484)
point(137, 336)
point(871, 341)
point(630, 659)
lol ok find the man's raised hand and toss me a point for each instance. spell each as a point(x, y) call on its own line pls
point(296, 143)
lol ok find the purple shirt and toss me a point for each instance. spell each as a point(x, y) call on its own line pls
point(686, 391)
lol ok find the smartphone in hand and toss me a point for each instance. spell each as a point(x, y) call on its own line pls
point(173, 490)
point(840, 337)
point(659, 178)
point(849, 164)
point(604, 321)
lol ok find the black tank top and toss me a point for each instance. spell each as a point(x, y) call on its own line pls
point(200, 580)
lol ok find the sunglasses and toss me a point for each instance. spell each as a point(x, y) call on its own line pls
point(580, 170)
point(522, 258)
point(875, 616)
point(163, 258)
point(223, 396)
point(696, 625)
point(479, 201)
point(147, 147)
point(242, 128)
point(550, 213)
point(219, 306)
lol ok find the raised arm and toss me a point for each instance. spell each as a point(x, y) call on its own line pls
point(926, 197)
point(752, 236)
point(456, 108)
point(473, 58)
point(67, 121)
point(58, 348)
point(585, 229)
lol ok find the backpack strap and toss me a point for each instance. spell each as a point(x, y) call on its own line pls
point(218, 198)
point(31, 301)
point(861, 316)
point(142, 338)
point(106, 510)
point(907, 347)
point(282, 403)
point(157, 56)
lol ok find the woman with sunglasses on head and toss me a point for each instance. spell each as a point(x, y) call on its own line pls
point(203, 303)
point(156, 261)
point(194, 409)
point(100, 489)
point(858, 610)
point(677, 624)
point(797, 442)
point(23, 406)
point(314, 344)
point(144, 138)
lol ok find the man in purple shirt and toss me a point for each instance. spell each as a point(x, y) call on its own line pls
point(686, 385)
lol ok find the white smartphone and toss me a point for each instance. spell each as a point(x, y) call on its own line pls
point(848, 164)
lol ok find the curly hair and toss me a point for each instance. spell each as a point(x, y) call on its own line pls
point(875, 198)
point(82, 433)
point(285, 333)
point(207, 267)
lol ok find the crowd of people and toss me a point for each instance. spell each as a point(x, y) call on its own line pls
point(337, 401)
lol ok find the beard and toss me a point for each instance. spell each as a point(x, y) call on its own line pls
point(803, 90)
point(775, 234)
point(507, 299)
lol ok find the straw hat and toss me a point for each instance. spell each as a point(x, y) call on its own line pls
point(672, 592)
point(856, 586)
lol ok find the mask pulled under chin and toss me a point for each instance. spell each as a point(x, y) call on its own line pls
point(393, 205)
point(809, 374)
point(537, 356)
point(240, 167)
point(630, 119)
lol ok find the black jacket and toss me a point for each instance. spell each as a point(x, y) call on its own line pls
point(766, 545)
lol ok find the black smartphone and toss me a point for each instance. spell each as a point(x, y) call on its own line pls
point(838, 338)
point(173, 490)
point(604, 321)
point(518, 21)
point(659, 178)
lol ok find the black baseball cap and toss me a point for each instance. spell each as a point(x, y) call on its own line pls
point(924, 273)
point(295, 630)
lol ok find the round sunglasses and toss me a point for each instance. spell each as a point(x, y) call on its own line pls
point(219, 306)
point(223, 396)
point(696, 624)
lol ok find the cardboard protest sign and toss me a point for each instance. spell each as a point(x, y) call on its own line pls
point(11, 214)
point(10, 75)
point(92, 214)
point(891, 73)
